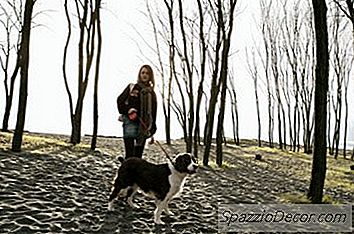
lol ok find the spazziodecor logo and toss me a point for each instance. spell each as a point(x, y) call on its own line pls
point(285, 218)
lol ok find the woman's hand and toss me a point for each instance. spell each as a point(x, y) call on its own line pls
point(132, 114)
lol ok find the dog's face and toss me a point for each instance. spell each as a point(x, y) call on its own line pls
point(185, 163)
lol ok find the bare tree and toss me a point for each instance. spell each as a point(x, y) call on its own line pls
point(347, 7)
point(11, 21)
point(342, 64)
point(265, 29)
point(186, 56)
point(307, 83)
point(223, 17)
point(226, 39)
point(287, 34)
point(203, 51)
point(234, 108)
point(297, 85)
point(195, 30)
point(290, 32)
point(215, 88)
point(273, 33)
point(347, 74)
point(97, 23)
point(181, 52)
point(166, 85)
point(172, 70)
point(226, 28)
point(178, 91)
point(86, 51)
point(318, 174)
point(253, 70)
point(337, 59)
point(24, 65)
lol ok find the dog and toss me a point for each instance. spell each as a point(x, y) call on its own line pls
point(161, 181)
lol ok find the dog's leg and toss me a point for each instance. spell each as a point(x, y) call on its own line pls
point(130, 195)
point(167, 211)
point(117, 190)
point(113, 195)
point(160, 206)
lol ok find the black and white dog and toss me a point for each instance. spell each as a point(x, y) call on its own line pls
point(162, 181)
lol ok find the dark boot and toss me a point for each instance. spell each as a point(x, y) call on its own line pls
point(129, 147)
point(139, 150)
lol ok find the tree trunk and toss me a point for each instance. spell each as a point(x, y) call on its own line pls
point(253, 70)
point(284, 127)
point(12, 25)
point(220, 126)
point(329, 139)
point(188, 70)
point(172, 71)
point(223, 80)
point(86, 39)
point(24, 64)
point(209, 124)
point(76, 128)
point(202, 77)
point(296, 113)
point(9, 97)
point(234, 115)
point(97, 22)
point(318, 173)
point(346, 105)
point(226, 31)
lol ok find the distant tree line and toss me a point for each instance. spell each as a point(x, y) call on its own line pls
point(288, 72)
point(281, 64)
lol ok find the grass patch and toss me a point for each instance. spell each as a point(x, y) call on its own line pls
point(37, 143)
point(329, 200)
point(225, 165)
point(264, 149)
point(345, 185)
point(39, 140)
point(294, 198)
point(279, 152)
point(339, 175)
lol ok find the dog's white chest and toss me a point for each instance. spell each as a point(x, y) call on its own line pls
point(176, 183)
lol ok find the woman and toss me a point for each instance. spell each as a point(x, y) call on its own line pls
point(137, 106)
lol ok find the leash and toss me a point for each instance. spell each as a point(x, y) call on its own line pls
point(167, 155)
point(159, 144)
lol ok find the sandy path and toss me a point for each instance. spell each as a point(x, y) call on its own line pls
point(60, 191)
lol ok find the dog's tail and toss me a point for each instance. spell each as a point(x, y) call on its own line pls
point(121, 159)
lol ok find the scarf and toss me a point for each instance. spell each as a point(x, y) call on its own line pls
point(146, 119)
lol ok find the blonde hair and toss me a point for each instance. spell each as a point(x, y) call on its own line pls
point(151, 75)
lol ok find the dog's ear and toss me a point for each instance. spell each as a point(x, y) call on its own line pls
point(178, 162)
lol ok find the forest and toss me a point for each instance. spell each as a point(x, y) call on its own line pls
point(300, 66)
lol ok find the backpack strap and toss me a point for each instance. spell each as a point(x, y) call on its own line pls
point(131, 87)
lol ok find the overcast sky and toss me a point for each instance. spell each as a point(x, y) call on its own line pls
point(48, 107)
